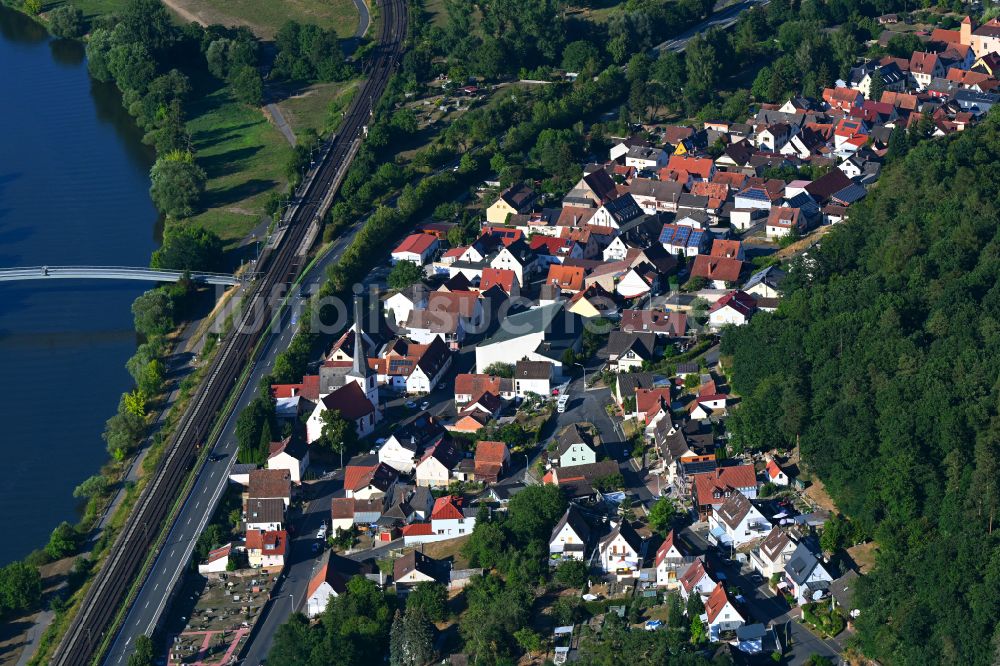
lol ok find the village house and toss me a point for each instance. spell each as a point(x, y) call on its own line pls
point(417, 249)
point(325, 584)
point(450, 519)
point(698, 579)
point(267, 515)
point(266, 550)
point(398, 306)
point(773, 553)
point(735, 308)
point(570, 536)
point(621, 551)
point(806, 577)
point(217, 561)
point(409, 440)
point(270, 484)
point(736, 522)
point(435, 467)
point(628, 351)
point(491, 460)
point(366, 478)
point(469, 387)
point(514, 200)
point(683, 240)
point(721, 613)
point(502, 279)
point(574, 446)
point(290, 454)
point(414, 568)
point(712, 489)
point(646, 157)
point(671, 561)
point(532, 377)
point(662, 323)
point(775, 474)
point(719, 272)
point(579, 482)
point(411, 368)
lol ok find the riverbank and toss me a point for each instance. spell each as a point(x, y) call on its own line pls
point(245, 160)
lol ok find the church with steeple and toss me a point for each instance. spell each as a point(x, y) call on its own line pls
point(347, 383)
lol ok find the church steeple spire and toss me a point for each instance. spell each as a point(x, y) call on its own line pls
point(360, 367)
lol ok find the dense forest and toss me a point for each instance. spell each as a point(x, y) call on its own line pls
point(883, 359)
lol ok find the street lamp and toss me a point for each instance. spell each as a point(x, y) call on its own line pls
point(584, 375)
point(291, 595)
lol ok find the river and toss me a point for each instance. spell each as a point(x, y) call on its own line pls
point(74, 190)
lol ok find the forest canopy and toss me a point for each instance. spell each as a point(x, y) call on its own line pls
point(883, 358)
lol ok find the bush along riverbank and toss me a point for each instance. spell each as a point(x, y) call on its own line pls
point(190, 89)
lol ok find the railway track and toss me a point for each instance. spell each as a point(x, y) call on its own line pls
point(279, 267)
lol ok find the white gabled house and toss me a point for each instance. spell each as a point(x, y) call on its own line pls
point(805, 575)
point(570, 536)
point(325, 585)
point(721, 614)
point(697, 579)
point(775, 474)
point(621, 551)
point(670, 561)
point(773, 553)
point(737, 522)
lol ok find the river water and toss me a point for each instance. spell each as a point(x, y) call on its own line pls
point(74, 190)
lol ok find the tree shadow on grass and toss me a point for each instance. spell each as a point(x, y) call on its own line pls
point(210, 137)
point(230, 195)
point(227, 162)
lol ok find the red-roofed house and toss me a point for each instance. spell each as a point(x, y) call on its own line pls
point(415, 248)
point(670, 324)
point(308, 389)
point(697, 579)
point(651, 404)
point(731, 249)
point(501, 278)
point(217, 560)
point(712, 489)
point(781, 222)
point(735, 308)
point(842, 98)
point(491, 460)
point(554, 250)
point(924, 67)
point(670, 562)
point(721, 613)
point(418, 533)
point(717, 270)
point(568, 279)
point(775, 474)
point(325, 584)
point(692, 168)
point(266, 549)
point(469, 387)
point(449, 519)
point(369, 479)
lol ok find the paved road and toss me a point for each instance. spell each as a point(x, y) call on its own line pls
point(196, 511)
point(722, 20)
point(763, 606)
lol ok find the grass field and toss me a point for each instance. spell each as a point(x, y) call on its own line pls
point(309, 109)
point(244, 157)
point(264, 17)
